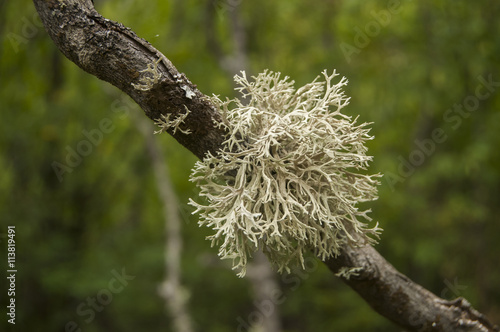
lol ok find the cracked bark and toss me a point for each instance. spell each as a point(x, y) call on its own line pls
point(114, 53)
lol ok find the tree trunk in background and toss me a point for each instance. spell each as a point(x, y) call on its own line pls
point(172, 291)
point(115, 54)
point(260, 272)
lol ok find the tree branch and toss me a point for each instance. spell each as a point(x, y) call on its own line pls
point(117, 55)
point(396, 297)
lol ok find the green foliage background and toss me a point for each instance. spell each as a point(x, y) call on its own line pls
point(441, 221)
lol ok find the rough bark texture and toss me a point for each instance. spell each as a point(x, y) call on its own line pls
point(117, 55)
point(396, 297)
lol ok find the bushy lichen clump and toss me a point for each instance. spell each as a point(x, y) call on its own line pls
point(285, 180)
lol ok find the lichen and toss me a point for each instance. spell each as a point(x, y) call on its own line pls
point(347, 273)
point(148, 81)
point(287, 179)
point(189, 93)
point(165, 123)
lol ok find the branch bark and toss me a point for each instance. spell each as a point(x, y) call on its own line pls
point(117, 55)
point(396, 297)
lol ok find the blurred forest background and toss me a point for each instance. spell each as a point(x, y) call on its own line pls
point(419, 70)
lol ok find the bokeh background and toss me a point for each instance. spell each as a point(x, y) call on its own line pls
point(419, 70)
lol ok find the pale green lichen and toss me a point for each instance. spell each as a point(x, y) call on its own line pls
point(165, 123)
point(286, 178)
point(347, 273)
point(150, 76)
